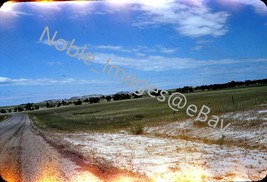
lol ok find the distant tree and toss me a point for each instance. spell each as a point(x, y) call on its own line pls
point(94, 100)
point(29, 107)
point(263, 81)
point(126, 96)
point(108, 98)
point(47, 105)
point(3, 111)
point(155, 92)
point(121, 96)
point(36, 107)
point(185, 89)
point(86, 100)
point(117, 97)
point(202, 87)
point(20, 109)
point(78, 102)
point(50, 104)
point(190, 89)
point(59, 104)
point(226, 85)
point(64, 103)
point(15, 109)
point(232, 84)
point(9, 110)
point(137, 95)
point(247, 82)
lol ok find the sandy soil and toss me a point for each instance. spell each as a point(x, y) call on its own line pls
point(242, 156)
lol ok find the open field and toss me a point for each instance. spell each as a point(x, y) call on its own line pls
point(138, 113)
point(172, 146)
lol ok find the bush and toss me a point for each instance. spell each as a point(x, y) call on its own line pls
point(108, 98)
point(121, 97)
point(20, 109)
point(137, 129)
point(59, 104)
point(78, 102)
point(94, 100)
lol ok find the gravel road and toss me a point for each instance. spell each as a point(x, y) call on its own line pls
point(26, 156)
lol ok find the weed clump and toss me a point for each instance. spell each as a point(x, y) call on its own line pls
point(137, 129)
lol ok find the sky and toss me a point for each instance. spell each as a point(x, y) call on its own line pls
point(165, 44)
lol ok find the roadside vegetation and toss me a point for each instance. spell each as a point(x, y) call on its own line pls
point(3, 117)
point(134, 114)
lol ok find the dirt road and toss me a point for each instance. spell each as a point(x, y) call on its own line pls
point(26, 156)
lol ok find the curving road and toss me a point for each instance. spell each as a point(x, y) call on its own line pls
point(26, 156)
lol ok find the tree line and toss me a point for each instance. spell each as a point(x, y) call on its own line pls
point(124, 96)
point(22, 107)
point(91, 100)
point(231, 84)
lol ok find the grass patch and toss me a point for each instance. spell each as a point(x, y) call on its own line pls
point(138, 129)
point(137, 113)
point(3, 117)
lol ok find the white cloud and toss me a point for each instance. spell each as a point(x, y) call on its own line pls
point(140, 54)
point(60, 44)
point(162, 63)
point(112, 48)
point(193, 20)
point(52, 63)
point(203, 41)
point(201, 44)
point(47, 81)
point(198, 47)
point(104, 12)
point(139, 50)
point(12, 9)
point(190, 18)
point(168, 51)
point(48, 6)
point(47, 10)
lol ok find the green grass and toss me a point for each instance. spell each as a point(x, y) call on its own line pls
point(146, 111)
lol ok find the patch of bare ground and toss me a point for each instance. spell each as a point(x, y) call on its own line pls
point(179, 151)
point(98, 166)
point(248, 129)
point(170, 159)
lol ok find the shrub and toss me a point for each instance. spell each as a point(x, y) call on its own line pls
point(137, 129)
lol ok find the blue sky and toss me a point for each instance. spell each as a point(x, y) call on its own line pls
point(169, 44)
